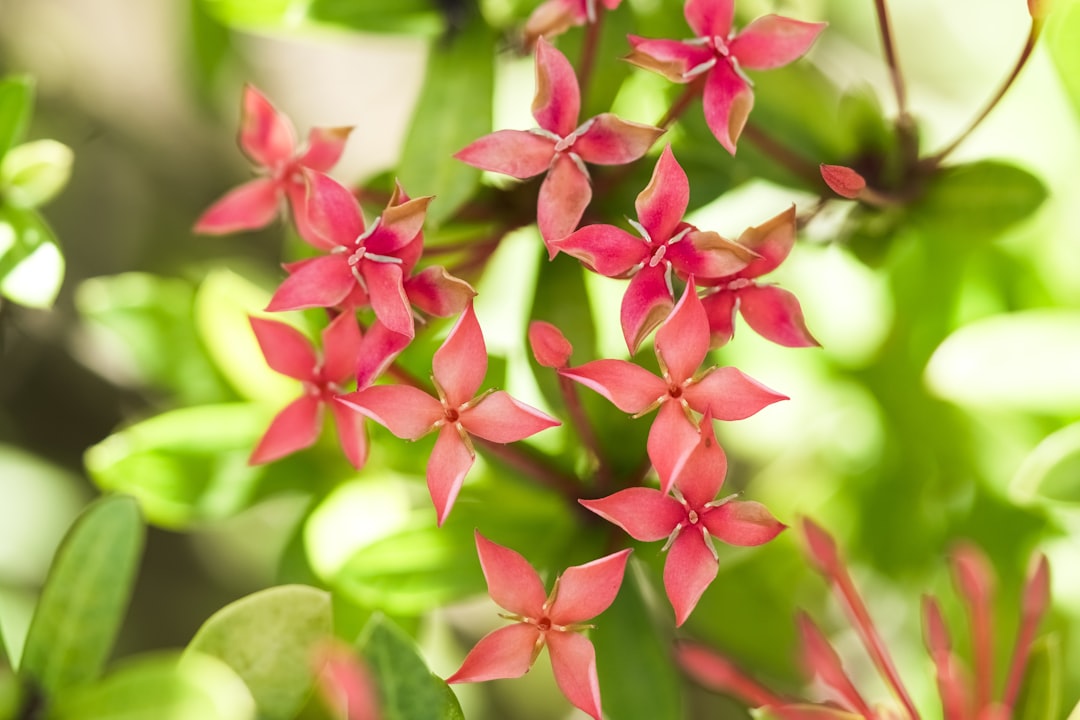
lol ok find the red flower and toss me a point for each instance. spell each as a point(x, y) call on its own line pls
point(297, 426)
point(269, 140)
point(666, 244)
point(768, 42)
point(579, 594)
point(555, 17)
point(458, 369)
point(559, 146)
point(688, 519)
point(682, 343)
point(772, 312)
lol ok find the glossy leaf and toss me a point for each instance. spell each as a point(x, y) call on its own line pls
point(408, 689)
point(16, 106)
point(31, 263)
point(168, 685)
point(269, 638)
point(33, 173)
point(85, 596)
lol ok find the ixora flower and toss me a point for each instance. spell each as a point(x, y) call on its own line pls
point(269, 140)
point(682, 343)
point(688, 520)
point(458, 369)
point(963, 697)
point(555, 17)
point(721, 55)
point(665, 244)
point(774, 313)
point(579, 594)
point(559, 146)
point(297, 426)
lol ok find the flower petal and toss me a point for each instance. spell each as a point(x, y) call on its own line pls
point(729, 394)
point(661, 205)
point(727, 103)
point(450, 461)
point(573, 660)
point(294, 428)
point(743, 523)
point(460, 364)
point(772, 240)
point(645, 305)
point(604, 249)
point(720, 309)
point(285, 348)
point(408, 412)
point(775, 314)
point(266, 136)
point(512, 582)
point(387, 294)
point(517, 153)
point(710, 18)
point(672, 439)
point(585, 591)
point(503, 653)
point(332, 211)
point(351, 434)
point(378, 348)
point(341, 344)
point(502, 419)
point(439, 293)
point(549, 346)
point(250, 206)
point(609, 140)
point(670, 58)
point(324, 148)
point(682, 342)
point(398, 226)
point(721, 675)
point(772, 41)
point(558, 98)
point(645, 514)
point(708, 255)
point(297, 193)
point(703, 473)
point(688, 571)
point(631, 388)
point(564, 195)
point(550, 18)
point(322, 282)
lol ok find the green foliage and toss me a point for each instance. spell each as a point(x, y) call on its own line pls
point(33, 173)
point(414, 17)
point(85, 597)
point(16, 107)
point(1051, 473)
point(269, 639)
point(1040, 693)
point(31, 264)
point(1063, 38)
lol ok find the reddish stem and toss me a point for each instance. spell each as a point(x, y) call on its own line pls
point(682, 103)
point(1036, 599)
point(584, 430)
point(588, 51)
point(890, 57)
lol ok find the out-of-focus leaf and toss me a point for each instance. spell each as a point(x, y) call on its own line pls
point(208, 47)
point(184, 465)
point(265, 14)
point(16, 106)
point(414, 17)
point(85, 596)
point(33, 173)
point(638, 677)
point(455, 108)
point(31, 264)
point(407, 688)
point(155, 687)
point(1040, 693)
point(1063, 40)
point(1052, 470)
point(11, 691)
point(269, 639)
point(974, 203)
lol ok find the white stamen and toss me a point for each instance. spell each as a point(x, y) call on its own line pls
point(641, 230)
point(680, 235)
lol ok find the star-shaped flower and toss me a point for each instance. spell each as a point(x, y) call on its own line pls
point(688, 519)
point(559, 146)
point(768, 42)
point(297, 426)
point(554, 17)
point(682, 343)
point(579, 594)
point(458, 369)
point(269, 140)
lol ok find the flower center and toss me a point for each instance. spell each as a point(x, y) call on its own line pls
point(543, 624)
point(692, 516)
point(675, 391)
point(452, 415)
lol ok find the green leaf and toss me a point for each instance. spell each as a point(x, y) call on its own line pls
point(269, 639)
point(408, 689)
point(975, 203)
point(637, 674)
point(1051, 472)
point(11, 691)
point(265, 14)
point(85, 596)
point(414, 17)
point(31, 264)
point(152, 687)
point(1040, 693)
point(1063, 40)
point(455, 108)
point(34, 173)
point(16, 106)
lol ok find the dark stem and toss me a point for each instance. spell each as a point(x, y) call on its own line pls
point(784, 156)
point(584, 430)
point(890, 57)
point(532, 464)
point(588, 51)
point(681, 103)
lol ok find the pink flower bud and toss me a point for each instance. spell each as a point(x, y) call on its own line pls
point(549, 346)
point(843, 181)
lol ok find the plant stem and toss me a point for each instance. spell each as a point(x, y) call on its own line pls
point(681, 103)
point(584, 430)
point(890, 57)
point(784, 156)
point(588, 51)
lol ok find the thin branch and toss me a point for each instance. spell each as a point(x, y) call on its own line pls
point(890, 57)
point(584, 430)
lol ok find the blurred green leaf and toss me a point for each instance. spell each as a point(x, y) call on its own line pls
point(85, 596)
point(209, 45)
point(154, 687)
point(1063, 40)
point(414, 17)
point(1040, 693)
point(637, 674)
point(31, 264)
point(16, 106)
point(1051, 472)
point(34, 173)
point(257, 13)
point(269, 639)
point(408, 689)
point(455, 108)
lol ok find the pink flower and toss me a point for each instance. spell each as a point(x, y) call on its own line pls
point(772, 312)
point(297, 426)
point(682, 343)
point(664, 245)
point(722, 55)
point(555, 17)
point(579, 594)
point(269, 140)
point(687, 521)
point(559, 146)
point(458, 369)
